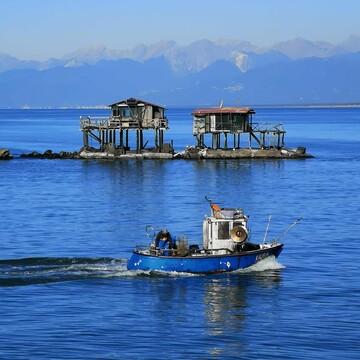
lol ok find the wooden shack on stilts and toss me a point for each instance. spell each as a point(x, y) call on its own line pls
point(230, 123)
point(221, 133)
point(112, 134)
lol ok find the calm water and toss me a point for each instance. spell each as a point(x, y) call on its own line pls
point(68, 226)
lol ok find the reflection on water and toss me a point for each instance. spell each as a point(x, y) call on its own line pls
point(230, 302)
point(226, 299)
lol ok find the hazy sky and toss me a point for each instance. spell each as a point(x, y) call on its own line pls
point(40, 29)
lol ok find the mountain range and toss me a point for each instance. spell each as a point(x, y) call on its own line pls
point(295, 72)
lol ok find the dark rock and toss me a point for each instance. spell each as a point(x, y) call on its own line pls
point(5, 154)
point(48, 154)
point(33, 154)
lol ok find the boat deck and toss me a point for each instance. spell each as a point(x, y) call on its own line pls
point(197, 253)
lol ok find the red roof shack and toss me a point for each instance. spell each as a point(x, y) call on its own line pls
point(225, 125)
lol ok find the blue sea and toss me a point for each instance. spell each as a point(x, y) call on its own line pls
point(69, 226)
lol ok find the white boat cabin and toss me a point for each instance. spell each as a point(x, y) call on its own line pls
point(224, 230)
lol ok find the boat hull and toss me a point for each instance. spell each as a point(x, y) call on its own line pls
point(202, 264)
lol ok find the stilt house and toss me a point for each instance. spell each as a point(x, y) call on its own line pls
point(225, 126)
point(128, 116)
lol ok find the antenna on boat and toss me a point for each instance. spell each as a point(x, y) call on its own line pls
point(288, 229)
point(267, 229)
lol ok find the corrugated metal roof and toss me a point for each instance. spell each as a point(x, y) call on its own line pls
point(133, 102)
point(223, 110)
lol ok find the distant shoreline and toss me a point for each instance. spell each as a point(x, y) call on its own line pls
point(311, 106)
point(104, 107)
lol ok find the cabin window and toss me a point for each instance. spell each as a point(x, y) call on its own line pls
point(126, 113)
point(158, 113)
point(223, 230)
point(224, 122)
point(239, 122)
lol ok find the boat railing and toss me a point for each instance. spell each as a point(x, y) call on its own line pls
point(139, 248)
point(152, 250)
point(219, 251)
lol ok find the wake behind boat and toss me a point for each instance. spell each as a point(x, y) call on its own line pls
point(226, 246)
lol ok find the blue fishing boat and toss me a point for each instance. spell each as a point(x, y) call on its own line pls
point(225, 246)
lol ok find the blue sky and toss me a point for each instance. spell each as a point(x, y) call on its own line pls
point(40, 29)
